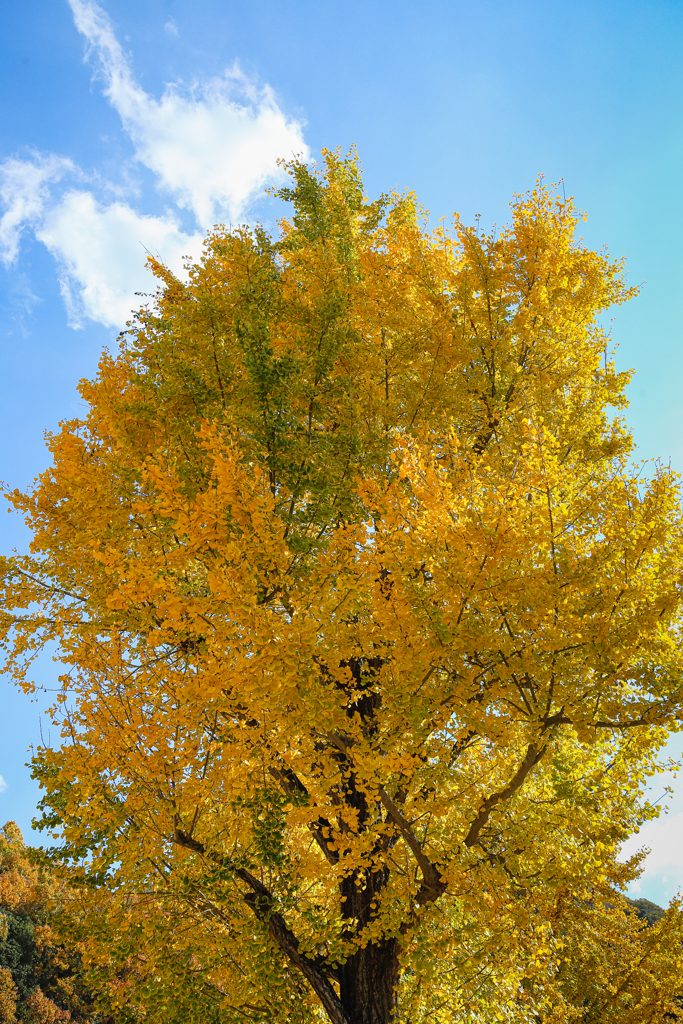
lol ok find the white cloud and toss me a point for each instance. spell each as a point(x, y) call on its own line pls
point(100, 251)
point(24, 191)
point(212, 147)
point(3, 785)
point(171, 27)
point(664, 837)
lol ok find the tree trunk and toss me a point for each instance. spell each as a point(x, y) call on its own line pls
point(368, 981)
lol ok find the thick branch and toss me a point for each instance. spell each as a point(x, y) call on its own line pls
point(291, 783)
point(433, 885)
point(261, 901)
point(630, 724)
point(461, 745)
point(532, 757)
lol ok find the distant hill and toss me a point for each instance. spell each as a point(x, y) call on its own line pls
point(649, 911)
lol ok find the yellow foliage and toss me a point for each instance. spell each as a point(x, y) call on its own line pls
point(371, 630)
point(8, 997)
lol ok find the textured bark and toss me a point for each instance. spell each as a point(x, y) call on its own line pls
point(368, 984)
point(368, 981)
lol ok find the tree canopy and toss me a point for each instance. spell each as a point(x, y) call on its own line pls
point(370, 626)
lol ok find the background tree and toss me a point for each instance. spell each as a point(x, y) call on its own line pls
point(372, 630)
point(615, 964)
point(41, 978)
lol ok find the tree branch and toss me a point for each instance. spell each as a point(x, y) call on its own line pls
point(261, 902)
point(433, 885)
point(532, 757)
point(291, 783)
point(631, 724)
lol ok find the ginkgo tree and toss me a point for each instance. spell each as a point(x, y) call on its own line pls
point(370, 626)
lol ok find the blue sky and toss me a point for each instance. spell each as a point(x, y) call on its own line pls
point(131, 126)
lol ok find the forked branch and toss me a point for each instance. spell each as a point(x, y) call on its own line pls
point(433, 884)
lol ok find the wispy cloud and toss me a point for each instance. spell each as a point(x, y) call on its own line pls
point(3, 785)
point(24, 192)
point(211, 148)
